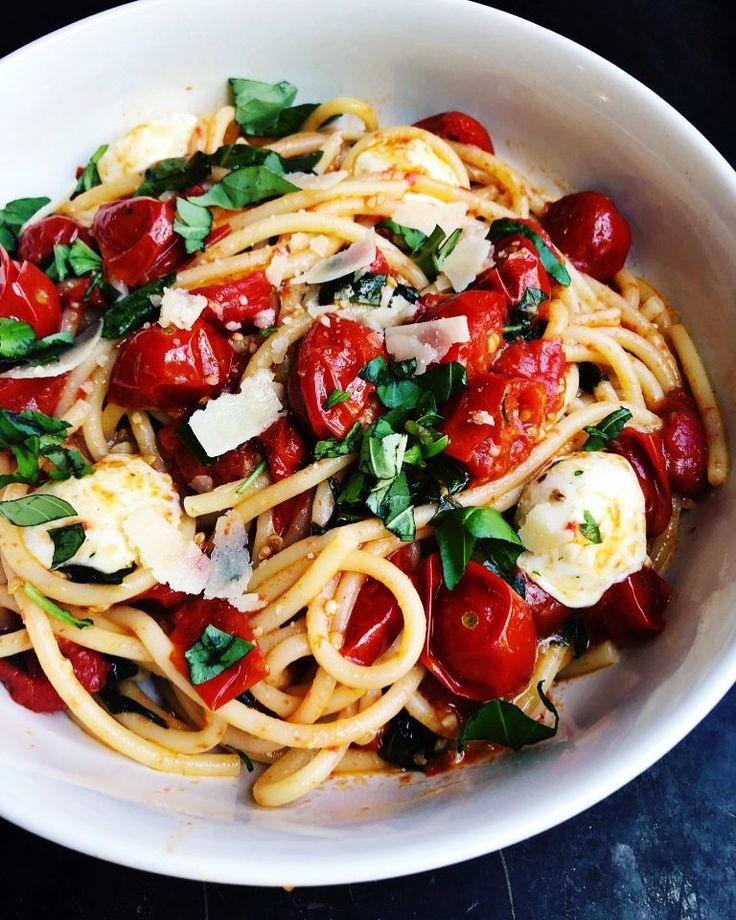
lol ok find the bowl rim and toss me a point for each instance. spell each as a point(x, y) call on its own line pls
point(485, 838)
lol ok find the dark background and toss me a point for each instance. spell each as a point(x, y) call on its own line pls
point(664, 847)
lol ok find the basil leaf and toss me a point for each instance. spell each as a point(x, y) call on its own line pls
point(444, 381)
point(355, 491)
point(176, 174)
point(190, 441)
point(83, 259)
point(606, 430)
point(61, 613)
point(305, 163)
point(133, 311)
point(14, 215)
point(589, 529)
point(290, 120)
point(86, 575)
point(67, 541)
point(407, 239)
point(67, 462)
point(334, 447)
point(504, 723)
point(523, 316)
point(409, 744)
point(456, 532)
point(258, 105)
point(31, 435)
point(193, 223)
point(245, 186)
point(391, 501)
point(38, 508)
point(251, 478)
point(116, 702)
point(214, 652)
point(435, 249)
point(576, 636)
point(393, 385)
point(336, 397)
point(16, 338)
point(506, 226)
point(50, 347)
point(16, 427)
point(90, 177)
point(382, 450)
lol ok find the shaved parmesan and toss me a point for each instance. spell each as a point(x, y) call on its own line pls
point(231, 419)
point(277, 269)
point(424, 214)
point(466, 260)
point(309, 180)
point(180, 308)
point(359, 255)
point(172, 558)
point(231, 568)
point(426, 342)
point(77, 354)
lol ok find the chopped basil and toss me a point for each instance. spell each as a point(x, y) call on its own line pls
point(290, 120)
point(249, 480)
point(503, 723)
point(133, 311)
point(305, 163)
point(245, 186)
point(506, 226)
point(391, 501)
point(268, 331)
point(116, 702)
point(249, 766)
point(86, 575)
point(429, 252)
point(500, 558)
point(190, 441)
point(61, 613)
point(336, 397)
point(365, 289)
point(79, 259)
point(67, 541)
point(214, 652)
point(30, 436)
point(589, 529)
point(406, 238)
point(258, 105)
point(90, 177)
point(393, 381)
point(14, 215)
point(456, 532)
point(444, 381)
point(606, 430)
point(175, 174)
point(236, 156)
point(521, 325)
point(335, 447)
point(193, 224)
point(575, 635)
point(18, 342)
point(37, 508)
point(382, 450)
point(409, 744)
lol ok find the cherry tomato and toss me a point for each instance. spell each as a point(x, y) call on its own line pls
point(190, 621)
point(171, 369)
point(73, 290)
point(635, 606)
point(493, 423)
point(376, 618)
point(379, 266)
point(162, 597)
point(28, 295)
point(90, 667)
point(645, 453)
point(486, 314)
point(285, 450)
point(548, 613)
point(243, 303)
point(41, 395)
point(481, 642)
point(285, 514)
point(540, 359)
point(36, 243)
point(685, 447)
point(458, 127)
point(237, 463)
point(330, 358)
point(137, 239)
point(518, 268)
point(591, 231)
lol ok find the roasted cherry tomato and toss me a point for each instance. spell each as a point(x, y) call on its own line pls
point(591, 231)
point(645, 453)
point(481, 642)
point(190, 621)
point(518, 268)
point(486, 313)
point(540, 359)
point(284, 448)
point(458, 127)
point(633, 606)
point(28, 295)
point(41, 395)
point(240, 304)
point(137, 239)
point(162, 596)
point(685, 447)
point(493, 423)
point(186, 469)
point(90, 667)
point(330, 358)
point(376, 618)
point(289, 511)
point(548, 613)
point(36, 243)
point(171, 369)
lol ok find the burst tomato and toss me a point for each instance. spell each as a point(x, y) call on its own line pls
point(458, 127)
point(285, 450)
point(243, 303)
point(486, 314)
point(36, 243)
point(645, 453)
point(685, 447)
point(542, 360)
point(28, 295)
point(635, 606)
point(42, 395)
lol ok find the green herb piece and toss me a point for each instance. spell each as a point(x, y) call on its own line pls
point(193, 224)
point(336, 397)
point(523, 316)
point(90, 177)
point(245, 186)
point(506, 226)
point(61, 613)
point(214, 652)
point(249, 480)
point(31, 435)
point(382, 450)
point(504, 723)
point(67, 541)
point(305, 163)
point(406, 238)
point(78, 259)
point(37, 508)
point(86, 575)
point(16, 338)
point(457, 530)
point(83, 259)
point(14, 215)
point(409, 744)
point(290, 120)
point(578, 473)
point(500, 558)
point(335, 447)
point(393, 381)
point(576, 636)
point(258, 106)
point(116, 703)
point(433, 252)
point(444, 381)
point(133, 311)
point(268, 331)
point(589, 529)
point(176, 174)
point(189, 440)
point(391, 501)
point(606, 430)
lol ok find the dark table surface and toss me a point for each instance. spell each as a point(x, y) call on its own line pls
point(664, 847)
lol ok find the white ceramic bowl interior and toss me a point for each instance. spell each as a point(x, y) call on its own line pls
point(551, 106)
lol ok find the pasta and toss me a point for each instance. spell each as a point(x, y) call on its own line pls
point(376, 443)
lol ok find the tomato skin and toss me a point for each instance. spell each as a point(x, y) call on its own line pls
point(548, 613)
point(591, 231)
point(518, 267)
point(458, 127)
point(645, 453)
point(285, 451)
point(376, 619)
point(162, 596)
point(490, 450)
point(685, 447)
point(169, 369)
point(90, 667)
point(36, 243)
point(28, 295)
point(486, 314)
point(634, 606)
point(190, 621)
point(237, 463)
point(330, 358)
point(137, 239)
point(481, 641)
point(41, 395)
point(243, 303)
point(539, 359)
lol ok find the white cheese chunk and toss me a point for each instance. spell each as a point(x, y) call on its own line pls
point(232, 419)
point(402, 156)
point(466, 260)
point(560, 556)
point(423, 213)
point(180, 308)
point(277, 269)
point(426, 342)
point(146, 144)
point(231, 567)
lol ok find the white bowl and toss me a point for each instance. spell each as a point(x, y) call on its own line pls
point(550, 104)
